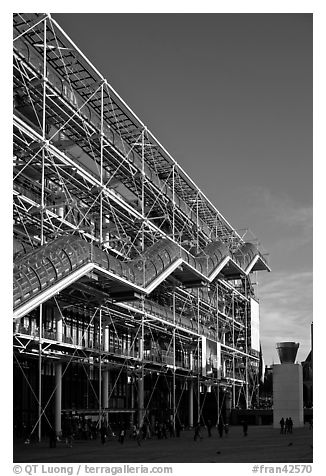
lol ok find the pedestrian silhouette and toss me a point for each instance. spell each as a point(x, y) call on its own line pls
point(136, 434)
point(220, 428)
point(282, 425)
point(144, 431)
point(103, 433)
point(69, 435)
point(197, 432)
point(286, 427)
point(245, 427)
point(122, 435)
point(209, 428)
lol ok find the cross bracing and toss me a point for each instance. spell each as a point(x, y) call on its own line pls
point(124, 270)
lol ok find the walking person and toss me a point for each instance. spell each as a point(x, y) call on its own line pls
point(245, 427)
point(209, 428)
point(122, 435)
point(197, 431)
point(164, 428)
point(286, 426)
point(220, 428)
point(94, 430)
point(156, 430)
point(282, 425)
point(160, 431)
point(170, 428)
point(226, 429)
point(69, 435)
point(144, 431)
point(27, 434)
point(290, 425)
point(138, 436)
point(103, 433)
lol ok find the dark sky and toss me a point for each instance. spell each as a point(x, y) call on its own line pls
point(230, 97)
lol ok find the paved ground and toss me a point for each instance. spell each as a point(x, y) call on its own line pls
point(263, 444)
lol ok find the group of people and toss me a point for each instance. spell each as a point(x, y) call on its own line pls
point(221, 428)
point(160, 430)
point(104, 432)
point(164, 429)
point(244, 424)
point(286, 425)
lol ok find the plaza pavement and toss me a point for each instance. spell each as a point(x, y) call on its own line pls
point(262, 445)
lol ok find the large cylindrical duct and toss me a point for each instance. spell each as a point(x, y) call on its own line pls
point(287, 351)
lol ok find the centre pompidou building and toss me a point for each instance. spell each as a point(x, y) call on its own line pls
point(134, 298)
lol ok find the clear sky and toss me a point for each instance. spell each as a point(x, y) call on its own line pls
point(230, 97)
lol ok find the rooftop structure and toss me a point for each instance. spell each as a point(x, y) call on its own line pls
point(133, 297)
point(287, 352)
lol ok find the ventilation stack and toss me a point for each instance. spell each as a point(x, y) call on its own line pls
point(287, 352)
point(287, 386)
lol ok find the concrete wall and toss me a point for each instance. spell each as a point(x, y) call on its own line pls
point(287, 394)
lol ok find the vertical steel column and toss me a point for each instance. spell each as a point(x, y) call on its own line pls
point(228, 405)
point(141, 344)
point(173, 202)
point(191, 404)
point(40, 376)
point(191, 391)
point(105, 379)
point(257, 394)
point(173, 394)
point(216, 217)
point(141, 380)
point(58, 397)
point(246, 347)
point(100, 371)
point(58, 376)
point(197, 223)
point(42, 232)
point(132, 400)
point(233, 355)
point(143, 192)
point(217, 320)
point(105, 383)
point(101, 165)
point(105, 394)
point(198, 360)
point(218, 402)
point(106, 339)
point(105, 374)
point(219, 361)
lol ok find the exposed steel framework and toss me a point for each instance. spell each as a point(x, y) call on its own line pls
point(122, 267)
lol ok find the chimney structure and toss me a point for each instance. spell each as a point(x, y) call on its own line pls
point(287, 352)
point(287, 386)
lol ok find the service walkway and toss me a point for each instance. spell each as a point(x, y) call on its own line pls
point(263, 444)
